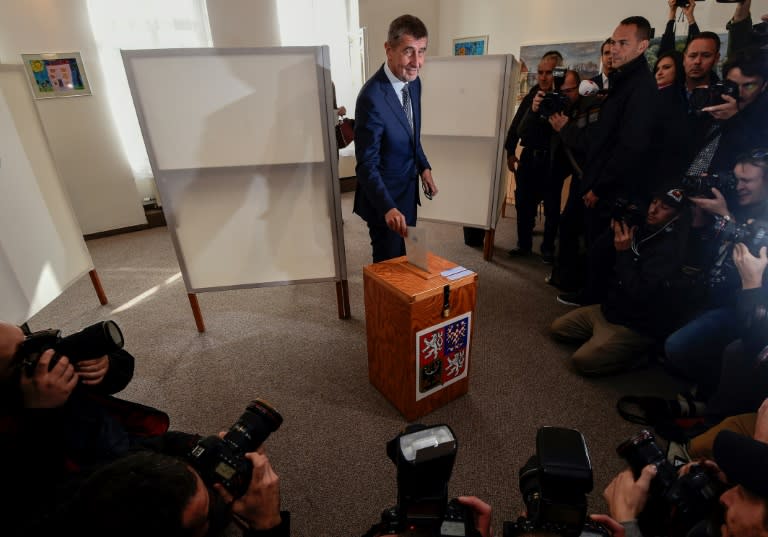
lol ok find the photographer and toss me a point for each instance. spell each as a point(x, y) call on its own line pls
point(619, 332)
point(668, 39)
point(149, 494)
point(695, 350)
point(740, 462)
point(57, 424)
point(536, 175)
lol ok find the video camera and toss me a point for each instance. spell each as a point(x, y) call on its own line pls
point(554, 484)
point(712, 95)
point(91, 342)
point(424, 458)
point(554, 101)
point(701, 185)
point(222, 460)
point(676, 503)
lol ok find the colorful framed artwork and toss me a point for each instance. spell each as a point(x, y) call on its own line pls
point(470, 46)
point(56, 75)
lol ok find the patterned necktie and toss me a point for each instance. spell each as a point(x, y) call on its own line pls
point(407, 106)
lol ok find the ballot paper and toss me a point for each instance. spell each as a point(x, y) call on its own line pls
point(416, 247)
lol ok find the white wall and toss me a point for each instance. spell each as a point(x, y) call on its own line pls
point(510, 24)
point(244, 23)
point(83, 140)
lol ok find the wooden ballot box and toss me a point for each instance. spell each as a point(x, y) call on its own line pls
point(419, 327)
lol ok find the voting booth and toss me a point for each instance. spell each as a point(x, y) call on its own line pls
point(419, 326)
point(42, 251)
point(467, 105)
point(242, 147)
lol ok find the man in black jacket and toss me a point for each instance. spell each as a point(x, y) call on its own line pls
point(620, 152)
point(532, 175)
point(619, 332)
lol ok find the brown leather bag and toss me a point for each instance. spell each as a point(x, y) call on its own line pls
point(345, 132)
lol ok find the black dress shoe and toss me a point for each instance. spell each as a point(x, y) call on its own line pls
point(519, 252)
point(547, 257)
point(571, 299)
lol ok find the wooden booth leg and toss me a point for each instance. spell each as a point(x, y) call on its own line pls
point(490, 236)
point(196, 312)
point(97, 286)
point(342, 299)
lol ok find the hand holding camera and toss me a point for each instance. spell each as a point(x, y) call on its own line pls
point(715, 205)
point(259, 507)
point(48, 387)
point(750, 267)
point(625, 496)
point(622, 235)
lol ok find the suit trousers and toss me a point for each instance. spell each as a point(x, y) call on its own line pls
point(607, 348)
point(386, 243)
point(535, 183)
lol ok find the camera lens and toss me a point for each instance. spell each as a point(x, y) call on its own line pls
point(254, 426)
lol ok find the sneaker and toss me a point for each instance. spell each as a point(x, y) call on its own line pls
point(570, 299)
point(677, 454)
point(519, 252)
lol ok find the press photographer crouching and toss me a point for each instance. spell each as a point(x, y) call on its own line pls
point(638, 308)
point(58, 420)
point(223, 479)
point(729, 493)
point(424, 458)
point(695, 350)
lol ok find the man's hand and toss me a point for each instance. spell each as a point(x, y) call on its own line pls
point(622, 235)
point(259, 507)
point(590, 200)
point(761, 424)
point(558, 120)
point(93, 371)
point(751, 268)
point(341, 111)
point(511, 161)
point(723, 111)
point(426, 178)
point(49, 389)
point(396, 222)
point(626, 497)
point(672, 9)
point(716, 205)
point(710, 466)
point(616, 529)
point(688, 10)
point(481, 512)
point(537, 101)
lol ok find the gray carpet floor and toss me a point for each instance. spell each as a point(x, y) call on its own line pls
point(287, 345)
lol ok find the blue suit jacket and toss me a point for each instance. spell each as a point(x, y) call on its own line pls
point(389, 157)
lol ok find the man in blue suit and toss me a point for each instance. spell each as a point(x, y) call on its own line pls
point(388, 149)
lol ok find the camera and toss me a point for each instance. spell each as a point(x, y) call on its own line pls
point(222, 460)
point(712, 95)
point(625, 211)
point(554, 101)
point(675, 503)
point(91, 342)
point(702, 185)
point(554, 484)
point(753, 234)
point(424, 458)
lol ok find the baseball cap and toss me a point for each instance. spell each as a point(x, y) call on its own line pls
point(673, 197)
point(744, 460)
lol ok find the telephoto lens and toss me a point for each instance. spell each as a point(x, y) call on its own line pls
point(223, 460)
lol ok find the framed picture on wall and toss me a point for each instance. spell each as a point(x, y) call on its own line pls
point(470, 46)
point(56, 75)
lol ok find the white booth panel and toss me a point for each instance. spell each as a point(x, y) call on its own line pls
point(461, 95)
point(42, 251)
point(237, 228)
point(465, 184)
point(230, 108)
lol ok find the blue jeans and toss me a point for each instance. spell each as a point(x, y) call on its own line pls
point(695, 350)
